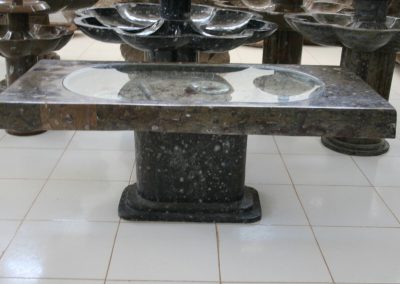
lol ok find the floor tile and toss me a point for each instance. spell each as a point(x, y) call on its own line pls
point(27, 163)
point(261, 144)
point(302, 145)
point(392, 198)
point(251, 55)
point(235, 56)
point(394, 148)
point(49, 140)
point(74, 250)
point(95, 165)
point(7, 231)
point(165, 251)
point(345, 206)
point(158, 282)
point(76, 47)
point(381, 171)
point(103, 140)
point(48, 281)
point(17, 196)
point(2, 133)
point(270, 254)
point(307, 58)
point(266, 169)
point(78, 200)
point(324, 170)
point(325, 55)
point(280, 205)
point(109, 52)
point(361, 255)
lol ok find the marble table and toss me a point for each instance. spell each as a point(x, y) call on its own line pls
point(225, 102)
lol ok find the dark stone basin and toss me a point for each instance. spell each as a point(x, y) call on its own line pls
point(344, 29)
point(39, 40)
point(57, 5)
point(27, 7)
point(141, 26)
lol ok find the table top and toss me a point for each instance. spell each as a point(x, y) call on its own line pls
point(194, 98)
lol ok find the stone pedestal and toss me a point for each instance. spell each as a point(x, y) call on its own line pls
point(283, 47)
point(376, 69)
point(190, 177)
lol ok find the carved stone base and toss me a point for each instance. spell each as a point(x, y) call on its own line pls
point(357, 146)
point(25, 133)
point(134, 207)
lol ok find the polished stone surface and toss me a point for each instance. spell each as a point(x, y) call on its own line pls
point(149, 27)
point(338, 102)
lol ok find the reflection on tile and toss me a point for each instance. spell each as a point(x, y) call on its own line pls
point(95, 165)
point(2, 133)
point(361, 255)
point(103, 140)
point(324, 170)
point(7, 231)
point(266, 169)
point(17, 196)
point(79, 250)
point(251, 253)
point(27, 163)
point(381, 171)
point(302, 145)
point(345, 206)
point(280, 205)
point(78, 200)
point(157, 282)
point(48, 281)
point(49, 139)
point(165, 251)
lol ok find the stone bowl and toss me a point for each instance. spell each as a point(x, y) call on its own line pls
point(342, 30)
point(329, 6)
point(141, 26)
point(58, 5)
point(41, 39)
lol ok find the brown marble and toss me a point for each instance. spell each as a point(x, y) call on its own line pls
point(347, 106)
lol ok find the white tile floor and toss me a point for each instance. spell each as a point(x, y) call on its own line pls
point(327, 218)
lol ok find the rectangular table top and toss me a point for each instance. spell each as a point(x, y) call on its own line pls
point(194, 98)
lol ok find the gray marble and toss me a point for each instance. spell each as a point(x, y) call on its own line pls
point(332, 101)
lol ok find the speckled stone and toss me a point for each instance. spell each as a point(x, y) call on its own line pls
point(191, 142)
point(347, 108)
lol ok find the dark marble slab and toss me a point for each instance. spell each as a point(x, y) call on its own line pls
point(336, 104)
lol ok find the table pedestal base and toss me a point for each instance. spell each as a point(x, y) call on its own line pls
point(190, 177)
point(134, 207)
point(357, 146)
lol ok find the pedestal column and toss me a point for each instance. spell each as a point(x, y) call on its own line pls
point(189, 177)
point(18, 26)
point(376, 69)
point(285, 46)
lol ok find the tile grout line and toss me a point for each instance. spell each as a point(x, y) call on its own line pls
point(34, 200)
point(218, 252)
point(305, 213)
point(375, 190)
point(84, 51)
point(48, 177)
point(112, 251)
point(119, 224)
